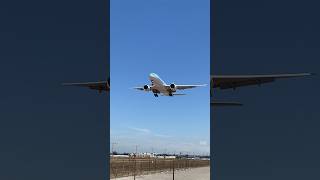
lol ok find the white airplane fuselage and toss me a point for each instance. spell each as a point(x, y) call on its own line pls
point(158, 85)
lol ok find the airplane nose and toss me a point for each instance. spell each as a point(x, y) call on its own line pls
point(153, 75)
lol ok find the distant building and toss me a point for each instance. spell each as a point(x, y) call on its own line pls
point(144, 155)
point(119, 156)
point(166, 157)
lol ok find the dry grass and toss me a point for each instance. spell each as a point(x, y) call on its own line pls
point(121, 167)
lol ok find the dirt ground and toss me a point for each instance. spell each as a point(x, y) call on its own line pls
point(202, 173)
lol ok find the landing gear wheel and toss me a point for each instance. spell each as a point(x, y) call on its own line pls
point(155, 95)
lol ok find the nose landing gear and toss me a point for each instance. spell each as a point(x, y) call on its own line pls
point(155, 95)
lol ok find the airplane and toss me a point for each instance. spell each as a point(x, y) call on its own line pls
point(234, 81)
point(221, 82)
point(158, 86)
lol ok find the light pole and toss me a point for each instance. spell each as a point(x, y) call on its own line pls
point(112, 147)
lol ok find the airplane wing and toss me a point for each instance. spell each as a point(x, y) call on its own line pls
point(182, 87)
point(224, 103)
point(234, 81)
point(138, 88)
point(175, 94)
point(100, 85)
point(150, 88)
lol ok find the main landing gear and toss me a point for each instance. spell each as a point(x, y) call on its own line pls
point(155, 95)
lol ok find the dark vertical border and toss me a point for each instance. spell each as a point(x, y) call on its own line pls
point(272, 36)
point(212, 54)
point(107, 132)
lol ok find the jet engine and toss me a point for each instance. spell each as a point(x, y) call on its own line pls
point(146, 87)
point(173, 87)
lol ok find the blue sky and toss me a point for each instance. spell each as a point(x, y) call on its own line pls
point(170, 38)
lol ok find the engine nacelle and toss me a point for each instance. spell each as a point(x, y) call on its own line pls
point(173, 87)
point(146, 88)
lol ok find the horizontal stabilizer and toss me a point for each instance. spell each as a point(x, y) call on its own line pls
point(178, 94)
point(224, 103)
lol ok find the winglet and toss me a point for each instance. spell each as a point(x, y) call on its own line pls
point(202, 85)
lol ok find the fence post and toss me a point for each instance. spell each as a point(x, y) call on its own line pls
point(173, 169)
point(123, 167)
point(141, 170)
point(135, 164)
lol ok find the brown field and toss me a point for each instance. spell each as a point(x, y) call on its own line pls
point(201, 173)
point(122, 167)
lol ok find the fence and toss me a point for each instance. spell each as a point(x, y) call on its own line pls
point(121, 167)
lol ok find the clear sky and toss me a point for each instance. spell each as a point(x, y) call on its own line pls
point(170, 38)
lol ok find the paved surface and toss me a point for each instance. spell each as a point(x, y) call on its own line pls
point(202, 173)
